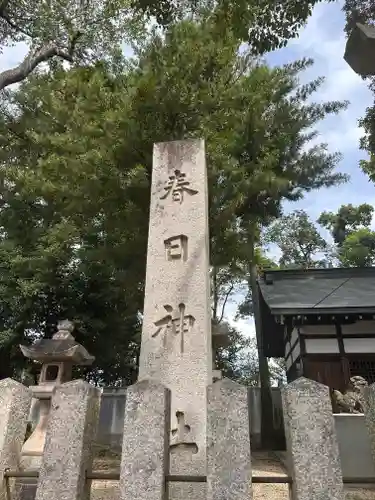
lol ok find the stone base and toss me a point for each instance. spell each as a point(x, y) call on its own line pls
point(25, 489)
point(187, 491)
point(105, 490)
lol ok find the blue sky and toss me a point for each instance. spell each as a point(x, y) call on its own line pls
point(323, 40)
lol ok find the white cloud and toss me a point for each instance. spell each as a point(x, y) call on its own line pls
point(324, 40)
point(245, 326)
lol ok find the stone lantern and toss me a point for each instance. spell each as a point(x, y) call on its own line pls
point(57, 355)
point(360, 50)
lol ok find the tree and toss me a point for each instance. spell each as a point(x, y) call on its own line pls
point(265, 24)
point(347, 220)
point(71, 30)
point(300, 243)
point(239, 360)
point(75, 165)
point(74, 221)
point(274, 169)
point(363, 11)
point(302, 246)
point(358, 249)
point(352, 234)
point(77, 32)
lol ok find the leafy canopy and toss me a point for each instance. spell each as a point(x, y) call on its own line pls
point(78, 31)
point(75, 168)
point(299, 241)
point(303, 246)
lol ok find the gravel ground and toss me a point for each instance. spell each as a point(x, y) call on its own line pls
point(264, 464)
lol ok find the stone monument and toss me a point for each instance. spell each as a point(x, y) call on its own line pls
point(186, 437)
point(176, 348)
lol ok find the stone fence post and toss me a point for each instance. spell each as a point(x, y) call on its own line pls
point(228, 442)
point(311, 441)
point(369, 395)
point(145, 448)
point(15, 401)
point(71, 431)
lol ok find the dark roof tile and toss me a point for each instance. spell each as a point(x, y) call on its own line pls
point(325, 290)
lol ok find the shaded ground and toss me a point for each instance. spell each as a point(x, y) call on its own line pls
point(269, 464)
point(264, 464)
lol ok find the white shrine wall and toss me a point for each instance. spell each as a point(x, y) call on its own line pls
point(359, 345)
point(322, 346)
point(359, 328)
point(358, 338)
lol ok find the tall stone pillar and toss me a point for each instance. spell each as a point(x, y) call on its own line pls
point(176, 337)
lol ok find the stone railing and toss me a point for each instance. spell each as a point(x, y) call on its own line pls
point(112, 408)
point(66, 465)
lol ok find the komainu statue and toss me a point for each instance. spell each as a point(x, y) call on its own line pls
point(352, 400)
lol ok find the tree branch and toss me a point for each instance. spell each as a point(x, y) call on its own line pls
point(225, 302)
point(31, 61)
point(14, 26)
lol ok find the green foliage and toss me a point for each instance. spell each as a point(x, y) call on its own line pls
point(363, 11)
point(298, 239)
point(266, 25)
point(358, 249)
point(240, 360)
point(75, 31)
point(74, 220)
point(301, 243)
point(347, 219)
point(350, 228)
point(82, 31)
point(75, 168)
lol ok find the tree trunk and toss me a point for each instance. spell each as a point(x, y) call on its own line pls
point(267, 429)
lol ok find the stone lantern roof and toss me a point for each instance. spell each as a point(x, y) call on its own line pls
point(61, 347)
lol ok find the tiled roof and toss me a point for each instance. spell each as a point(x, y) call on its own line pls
point(324, 290)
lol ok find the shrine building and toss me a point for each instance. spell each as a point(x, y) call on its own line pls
point(322, 321)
